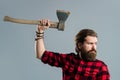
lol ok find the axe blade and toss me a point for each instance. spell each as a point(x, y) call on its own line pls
point(62, 17)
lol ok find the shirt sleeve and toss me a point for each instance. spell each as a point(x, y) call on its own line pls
point(104, 73)
point(53, 58)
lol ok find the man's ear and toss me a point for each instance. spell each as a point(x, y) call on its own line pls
point(79, 45)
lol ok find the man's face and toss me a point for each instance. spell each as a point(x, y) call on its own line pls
point(88, 48)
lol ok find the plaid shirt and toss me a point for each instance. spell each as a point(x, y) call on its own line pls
point(74, 68)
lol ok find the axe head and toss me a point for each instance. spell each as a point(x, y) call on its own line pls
point(62, 16)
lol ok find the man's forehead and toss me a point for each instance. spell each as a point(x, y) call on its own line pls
point(91, 38)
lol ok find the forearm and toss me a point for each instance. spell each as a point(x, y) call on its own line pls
point(40, 48)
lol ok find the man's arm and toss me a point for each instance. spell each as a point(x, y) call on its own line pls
point(40, 47)
point(104, 73)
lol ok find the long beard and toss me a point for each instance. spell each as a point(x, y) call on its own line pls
point(89, 55)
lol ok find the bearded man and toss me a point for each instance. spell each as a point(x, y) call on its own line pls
point(80, 66)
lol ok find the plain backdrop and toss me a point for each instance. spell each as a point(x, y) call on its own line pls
point(17, 45)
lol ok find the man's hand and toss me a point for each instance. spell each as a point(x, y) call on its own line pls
point(45, 25)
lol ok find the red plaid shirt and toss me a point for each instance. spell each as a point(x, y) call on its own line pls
point(74, 68)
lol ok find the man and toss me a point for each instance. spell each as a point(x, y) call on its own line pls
point(80, 66)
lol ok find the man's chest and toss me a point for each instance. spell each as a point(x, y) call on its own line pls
point(84, 69)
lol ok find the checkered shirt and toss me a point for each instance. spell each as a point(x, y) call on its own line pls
point(74, 68)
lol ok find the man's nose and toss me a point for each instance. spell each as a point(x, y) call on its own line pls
point(94, 46)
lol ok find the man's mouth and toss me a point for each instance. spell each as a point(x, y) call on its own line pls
point(92, 52)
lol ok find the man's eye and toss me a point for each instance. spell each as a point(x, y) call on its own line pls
point(90, 43)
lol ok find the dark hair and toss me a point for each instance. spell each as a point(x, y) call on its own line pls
point(82, 34)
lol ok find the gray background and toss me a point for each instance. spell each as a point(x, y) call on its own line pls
point(17, 45)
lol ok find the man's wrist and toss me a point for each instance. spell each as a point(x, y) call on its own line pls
point(39, 35)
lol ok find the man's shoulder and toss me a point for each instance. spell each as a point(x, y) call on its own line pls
point(100, 62)
point(72, 54)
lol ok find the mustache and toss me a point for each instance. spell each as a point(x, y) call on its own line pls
point(92, 50)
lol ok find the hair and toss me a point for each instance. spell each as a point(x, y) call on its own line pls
point(81, 35)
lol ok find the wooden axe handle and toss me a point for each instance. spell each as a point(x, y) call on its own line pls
point(33, 22)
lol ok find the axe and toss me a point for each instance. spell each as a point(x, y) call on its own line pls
point(61, 14)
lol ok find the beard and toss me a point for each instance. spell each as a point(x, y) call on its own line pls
point(88, 55)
